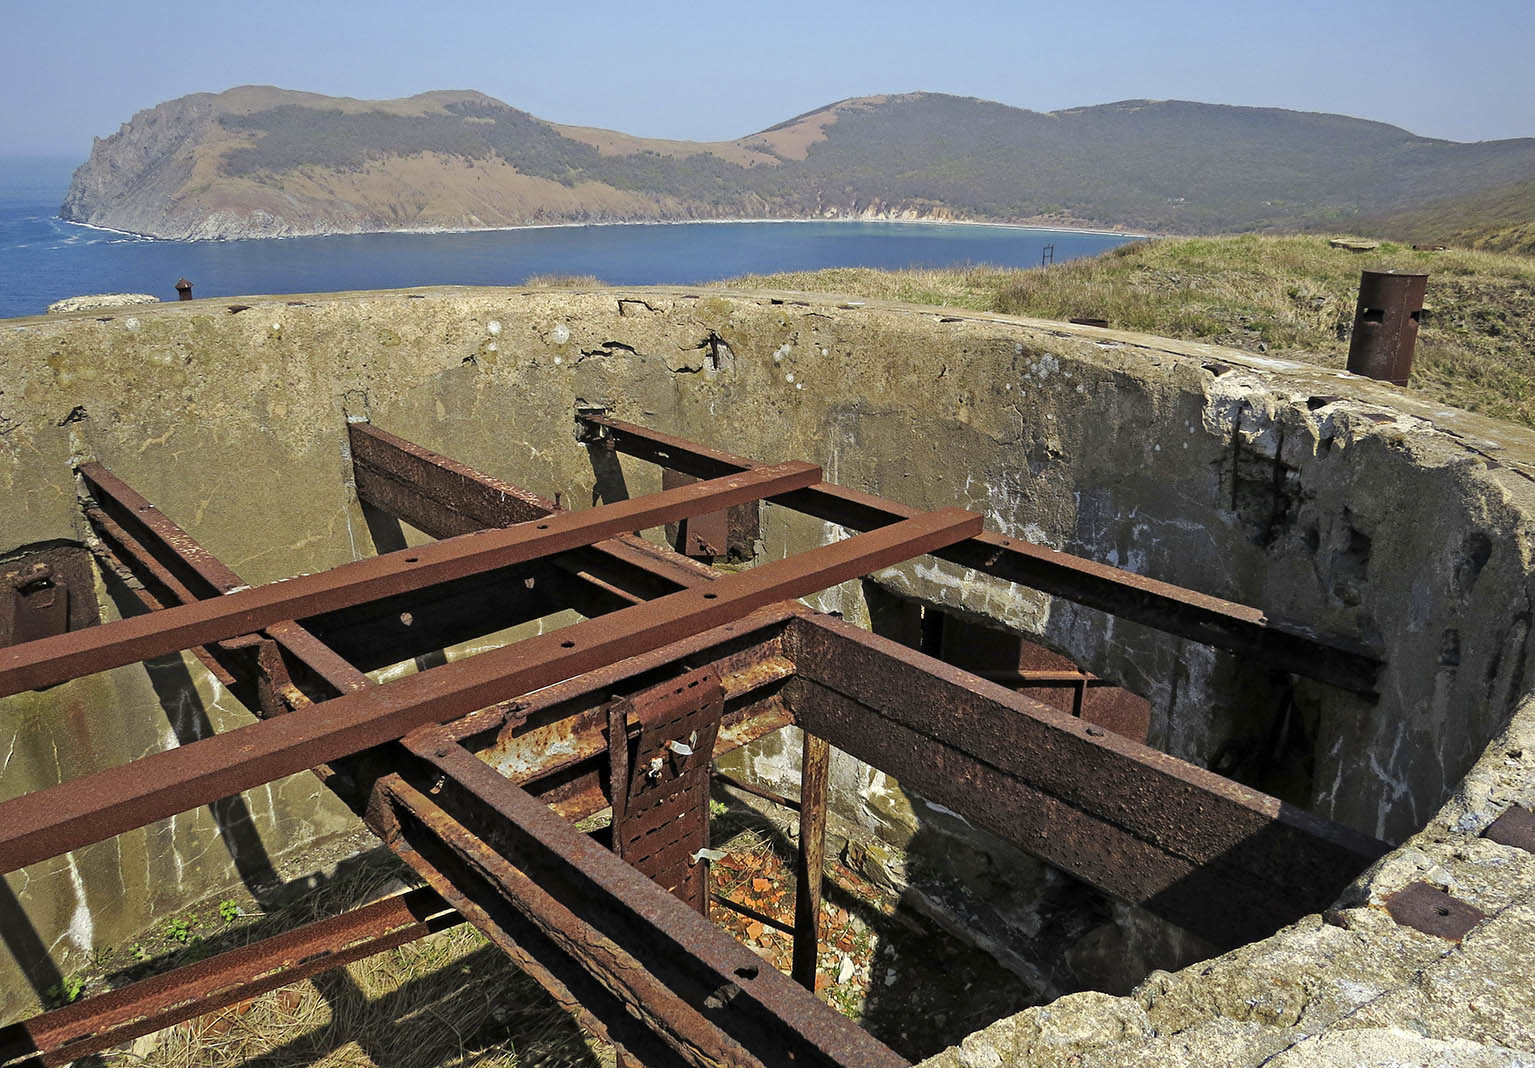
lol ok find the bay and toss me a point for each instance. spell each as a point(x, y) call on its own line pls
point(43, 258)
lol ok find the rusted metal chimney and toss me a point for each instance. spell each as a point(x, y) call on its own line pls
point(183, 289)
point(1386, 325)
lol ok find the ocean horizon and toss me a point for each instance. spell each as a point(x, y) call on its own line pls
point(44, 259)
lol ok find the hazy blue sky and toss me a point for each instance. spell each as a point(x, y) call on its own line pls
point(74, 70)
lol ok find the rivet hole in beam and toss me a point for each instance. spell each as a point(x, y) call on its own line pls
point(49, 661)
point(1186, 613)
point(57, 819)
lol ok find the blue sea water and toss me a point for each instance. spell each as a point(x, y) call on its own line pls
point(43, 259)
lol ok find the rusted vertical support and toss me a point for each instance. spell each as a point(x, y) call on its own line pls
point(618, 769)
point(815, 765)
point(1386, 325)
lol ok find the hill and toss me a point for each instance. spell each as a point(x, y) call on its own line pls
point(1498, 220)
point(1285, 296)
point(259, 161)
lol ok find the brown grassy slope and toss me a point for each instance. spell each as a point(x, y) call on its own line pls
point(1288, 296)
point(1501, 220)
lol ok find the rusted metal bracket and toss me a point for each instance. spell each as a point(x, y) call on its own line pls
point(661, 813)
point(46, 592)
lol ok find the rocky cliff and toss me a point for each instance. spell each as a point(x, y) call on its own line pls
point(264, 162)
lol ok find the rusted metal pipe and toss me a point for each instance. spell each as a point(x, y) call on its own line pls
point(183, 289)
point(1386, 325)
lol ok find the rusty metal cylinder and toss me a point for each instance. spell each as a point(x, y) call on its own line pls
point(1386, 325)
point(183, 289)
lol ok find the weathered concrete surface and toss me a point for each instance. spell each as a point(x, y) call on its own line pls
point(1354, 988)
point(1333, 503)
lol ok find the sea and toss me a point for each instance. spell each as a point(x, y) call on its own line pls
point(44, 259)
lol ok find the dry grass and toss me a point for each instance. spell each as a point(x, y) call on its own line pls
point(451, 1000)
point(563, 281)
point(1285, 296)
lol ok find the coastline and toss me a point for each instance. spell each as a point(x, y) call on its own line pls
point(1127, 234)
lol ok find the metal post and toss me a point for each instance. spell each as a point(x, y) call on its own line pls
point(183, 289)
point(815, 765)
point(1386, 325)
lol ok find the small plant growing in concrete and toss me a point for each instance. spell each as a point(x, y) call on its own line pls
point(229, 910)
point(179, 929)
point(66, 991)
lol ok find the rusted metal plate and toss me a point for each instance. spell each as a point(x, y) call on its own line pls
point(702, 537)
point(97, 1023)
point(1424, 907)
point(663, 821)
point(46, 591)
point(1516, 827)
point(706, 993)
point(1200, 617)
point(52, 660)
point(60, 818)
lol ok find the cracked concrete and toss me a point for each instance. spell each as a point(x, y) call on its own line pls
point(1336, 504)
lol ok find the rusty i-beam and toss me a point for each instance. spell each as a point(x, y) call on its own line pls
point(861, 1049)
point(1199, 617)
point(1036, 777)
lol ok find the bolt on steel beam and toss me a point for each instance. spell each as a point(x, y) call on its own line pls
point(1187, 613)
point(53, 660)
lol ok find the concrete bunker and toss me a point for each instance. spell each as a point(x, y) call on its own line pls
point(1385, 543)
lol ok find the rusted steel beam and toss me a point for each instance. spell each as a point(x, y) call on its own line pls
point(1199, 617)
point(118, 1016)
point(442, 852)
point(442, 497)
point(75, 813)
point(1138, 823)
point(815, 767)
point(53, 660)
point(751, 673)
point(411, 482)
point(710, 997)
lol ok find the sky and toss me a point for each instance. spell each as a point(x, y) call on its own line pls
point(77, 70)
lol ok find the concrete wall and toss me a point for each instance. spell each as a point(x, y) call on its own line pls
point(1334, 504)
